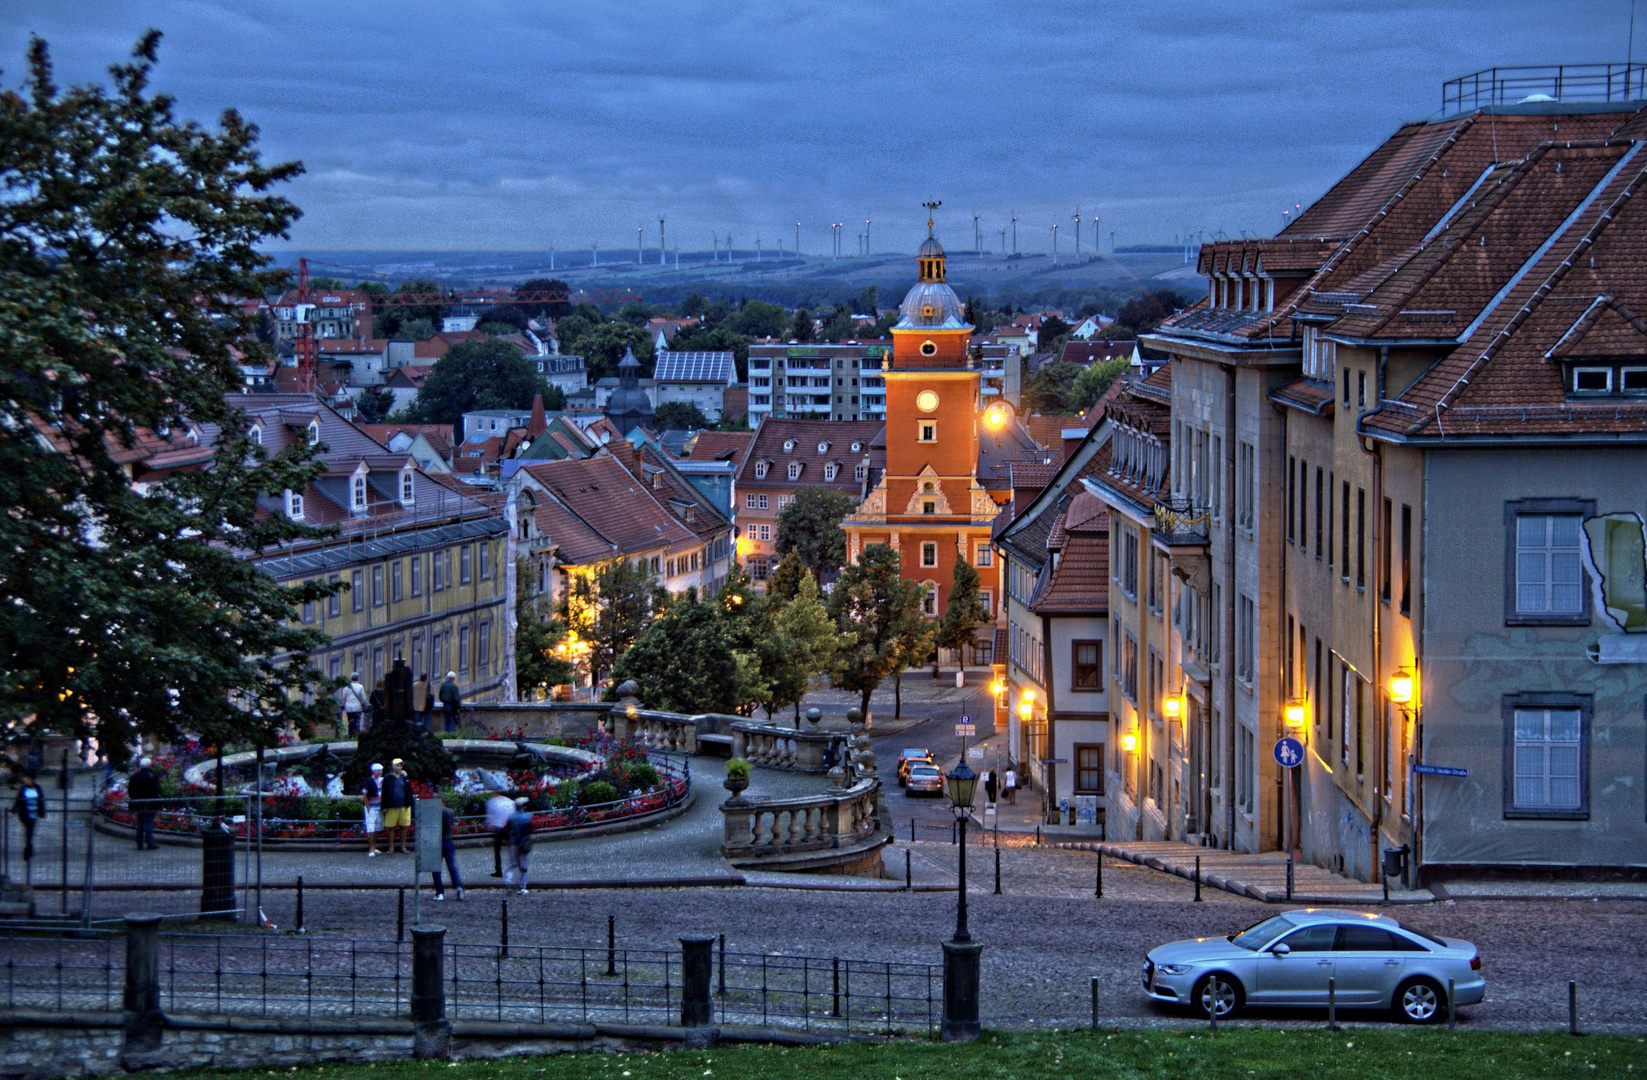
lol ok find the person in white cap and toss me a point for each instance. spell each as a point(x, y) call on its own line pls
point(520, 845)
point(451, 700)
point(371, 794)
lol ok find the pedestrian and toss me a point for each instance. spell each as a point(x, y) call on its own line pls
point(990, 785)
point(371, 796)
point(378, 703)
point(1011, 785)
point(30, 808)
point(448, 852)
point(451, 699)
point(520, 845)
point(143, 791)
point(422, 697)
point(397, 805)
point(353, 700)
point(499, 809)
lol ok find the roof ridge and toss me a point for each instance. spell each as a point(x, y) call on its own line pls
point(1544, 289)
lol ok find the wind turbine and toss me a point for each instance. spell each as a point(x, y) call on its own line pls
point(977, 237)
point(1077, 232)
point(1015, 232)
point(1054, 243)
point(663, 248)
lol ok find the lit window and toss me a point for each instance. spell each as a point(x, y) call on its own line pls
point(929, 603)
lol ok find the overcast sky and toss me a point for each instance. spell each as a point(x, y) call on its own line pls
point(521, 125)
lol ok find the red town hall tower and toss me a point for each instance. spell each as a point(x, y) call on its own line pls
point(929, 506)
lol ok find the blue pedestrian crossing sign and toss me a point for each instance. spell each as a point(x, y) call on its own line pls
point(1289, 752)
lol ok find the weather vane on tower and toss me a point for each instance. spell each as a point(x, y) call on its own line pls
point(930, 207)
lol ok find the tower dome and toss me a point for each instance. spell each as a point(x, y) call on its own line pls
point(629, 407)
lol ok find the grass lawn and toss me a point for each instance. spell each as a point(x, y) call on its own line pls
point(1353, 1054)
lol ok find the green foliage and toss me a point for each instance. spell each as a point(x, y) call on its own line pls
point(686, 661)
point(126, 239)
point(611, 609)
point(643, 777)
point(602, 346)
point(537, 634)
point(1144, 313)
point(958, 627)
point(811, 525)
point(596, 793)
point(374, 404)
point(327, 283)
point(411, 329)
point(474, 375)
point(838, 325)
point(679, 416)
point(801, 329)
point(758, 319)
point(424, 756)
point(496, 327)
point(875, 603)
point(785, 580)
point(737, 768)
point(565, 795)
point(392, 319)
point(733, 423)
point(1094, 381)
point(804, 645)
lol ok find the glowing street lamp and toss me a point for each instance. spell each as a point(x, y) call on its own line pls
point(1293, 714)
point(1172, 707)
point(1129, 742)
point(1401, 687)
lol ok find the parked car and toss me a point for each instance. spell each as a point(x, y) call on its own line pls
point(924, 780)
point(907, 758)
point(1286, 960)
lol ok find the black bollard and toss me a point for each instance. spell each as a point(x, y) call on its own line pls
point(1037, 835)
point(611, 944)
point(1098, 890)
point(1198, 899)
point(433, 1037)
point(911, 830)
point(400, 918)
point(1572, 1007)
point(909, 875)
point(1095, 1003)
point(721, 988)
point(299, 919)
point(503, 930)
point(696, 1007)
point(997, 871)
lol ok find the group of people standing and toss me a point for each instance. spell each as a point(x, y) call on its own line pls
point(396, 696)
point(1003, 783)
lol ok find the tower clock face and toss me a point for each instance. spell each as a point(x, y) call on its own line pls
point(927, 400)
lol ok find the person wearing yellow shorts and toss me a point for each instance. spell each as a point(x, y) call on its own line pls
point(397, 805)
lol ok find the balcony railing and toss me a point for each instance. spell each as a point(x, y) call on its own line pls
point(1558, 82)
point(1179, 521)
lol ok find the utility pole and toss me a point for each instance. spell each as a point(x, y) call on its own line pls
point(594, 255)
point(663, 248)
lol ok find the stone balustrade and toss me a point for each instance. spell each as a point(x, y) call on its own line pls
point(770, 746)
point(665, 732)
point(840, 831)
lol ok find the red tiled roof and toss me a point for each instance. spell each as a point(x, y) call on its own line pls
point(768, 445)
point(1092, 352)
point(1048, 431)
point(712, 445)
point(1307, 394)
point(611, 505)
point(1079, 583)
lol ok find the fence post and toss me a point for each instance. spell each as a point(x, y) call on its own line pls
point(400, 917)
point(696, 961)
point(1198, 899)
point(1095, 1003)
point(433, 1038)
point(909, 873)
point(721, 975)
point(300, 904)
point(216, 871)
point(1098, 890)
point(998, 872)
point(1572, 1006)
point(144, 1023)
point(611, 944)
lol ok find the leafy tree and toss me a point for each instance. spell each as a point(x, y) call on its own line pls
point(876, 604)
point(785, 581)
point(686, 661)
point(733, 423)
point(868, 301)
point(392, 318)
point(680, 416)
point(758, 319)
point(958, 627)
point(811, 525)
point(537, 633)
point(635, 313)
point(125, 238)
point(553, 309)
point(804, 645)
point(497, 327)
point(1093, 381)
point(412, 330)
point(374, 404)
point(611, 608)
point(329, 283)
point(839, 326)
point(715, 339)
point(1048, 390)
point(1052, 329)
point(694, 304)
point(474, 375)
point(801, 329)
point(912, 648)
point(554, 398)
point(1144, 313)
point(603, 346)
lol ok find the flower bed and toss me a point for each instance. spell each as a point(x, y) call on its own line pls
point(569, 784)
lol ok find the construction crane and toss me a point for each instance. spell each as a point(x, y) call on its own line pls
point(306, 349)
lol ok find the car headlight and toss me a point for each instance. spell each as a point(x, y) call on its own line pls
point(1173, 969)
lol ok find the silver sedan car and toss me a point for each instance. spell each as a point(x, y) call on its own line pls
point(924, 780)
point(1373, 961)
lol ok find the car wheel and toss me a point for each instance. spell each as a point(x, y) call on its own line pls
point(1219, 991)
point(1420, 1001)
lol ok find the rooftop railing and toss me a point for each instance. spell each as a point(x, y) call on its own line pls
point(1557, 82)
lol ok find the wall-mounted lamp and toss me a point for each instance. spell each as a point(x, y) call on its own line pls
point(1129, 742)
point(1172, 707)
point(1293, 714)
point(1401, 687)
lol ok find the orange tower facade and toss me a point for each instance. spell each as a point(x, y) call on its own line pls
point(928, 505)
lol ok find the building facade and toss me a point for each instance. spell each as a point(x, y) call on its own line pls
point(846, 456)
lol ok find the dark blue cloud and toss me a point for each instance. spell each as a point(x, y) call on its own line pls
point(521, 125)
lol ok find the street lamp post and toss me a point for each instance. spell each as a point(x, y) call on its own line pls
point(961, 954)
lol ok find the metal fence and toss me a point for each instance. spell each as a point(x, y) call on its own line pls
point(270, 976)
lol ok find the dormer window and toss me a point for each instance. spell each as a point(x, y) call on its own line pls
point(357, 492)
point(760, 470)
point(407, 498)
point(829, 472)
point(861, 473)
point(255, 435)
point(794, 470)
point(789, 446)
point(929, 348)
point(314, 431)
point(1592, 380)
point(823, 447)
point(294, 505)
point(857, 446)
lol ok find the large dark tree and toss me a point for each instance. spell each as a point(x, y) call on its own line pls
point(875, 603)
point(127, 238)
point(811, 526)
point(474, 375)
point(687, 661)
point(679, 416)
point(394, 319)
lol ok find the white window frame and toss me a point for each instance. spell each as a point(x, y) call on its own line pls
point(1550, 559)
point(929, 547)
point(926, 431)
point(761, 502)
point(294, 505)
point(357, 492)
point(1547, 764)
point(983, 555)
point(1590, 369)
